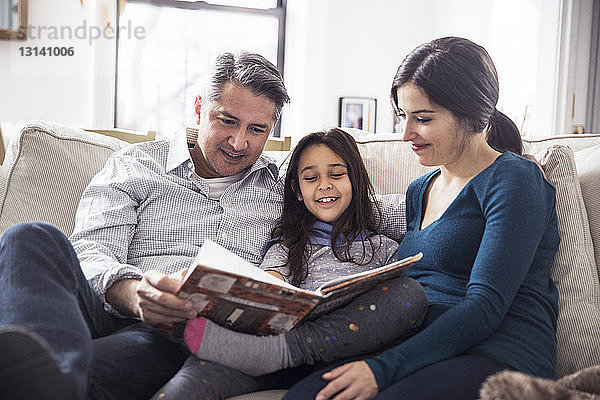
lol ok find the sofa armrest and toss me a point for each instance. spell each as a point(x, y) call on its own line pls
point(126, 135)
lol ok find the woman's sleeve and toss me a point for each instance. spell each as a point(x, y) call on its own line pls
point(517, 204)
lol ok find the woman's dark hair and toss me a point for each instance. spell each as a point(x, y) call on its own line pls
point(362, 216)
point(460, 76)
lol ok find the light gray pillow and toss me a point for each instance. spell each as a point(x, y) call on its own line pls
point(46, 168)
point(574, 270)
point(588, 170)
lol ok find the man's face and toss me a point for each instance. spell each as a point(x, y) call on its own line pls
point(232, 132)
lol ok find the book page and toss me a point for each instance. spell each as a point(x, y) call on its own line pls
point(341, 291)
point(234, 293)
point(338, 282)
point(218, 257)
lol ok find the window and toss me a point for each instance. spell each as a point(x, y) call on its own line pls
point(523, 42)
point(159, 75)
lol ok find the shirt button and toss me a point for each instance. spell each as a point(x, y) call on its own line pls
point(190, 165)
point(223, 236)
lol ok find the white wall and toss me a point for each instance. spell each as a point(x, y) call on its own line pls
point(338, 48)
point(73, 90)
point(334, 48)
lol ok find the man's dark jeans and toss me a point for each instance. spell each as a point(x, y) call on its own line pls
point(43, 289)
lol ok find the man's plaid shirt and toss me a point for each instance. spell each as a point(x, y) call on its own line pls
point(148, 210)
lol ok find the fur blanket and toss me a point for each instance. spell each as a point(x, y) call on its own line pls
point(512, 385)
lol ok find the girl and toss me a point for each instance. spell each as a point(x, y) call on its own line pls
point(329, 218)
point(486, 223)
point(327, 229)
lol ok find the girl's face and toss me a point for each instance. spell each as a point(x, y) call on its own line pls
point(325, 186)
point(436, 136)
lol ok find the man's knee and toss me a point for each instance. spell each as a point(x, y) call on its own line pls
point(33, 233)
point(37, 242)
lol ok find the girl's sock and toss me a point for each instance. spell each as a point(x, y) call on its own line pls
point(252, 355)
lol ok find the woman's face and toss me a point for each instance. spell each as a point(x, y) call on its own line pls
point(436, 136)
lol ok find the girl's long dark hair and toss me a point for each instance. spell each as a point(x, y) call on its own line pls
point(362, 216)
point(460, 76)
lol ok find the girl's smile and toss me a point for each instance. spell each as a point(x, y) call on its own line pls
point(325, 186)
point(327, 200)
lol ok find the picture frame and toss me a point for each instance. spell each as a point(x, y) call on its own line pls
point(15, 24)
point(358, 112)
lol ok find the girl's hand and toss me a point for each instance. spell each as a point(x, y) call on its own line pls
point(354, 380)
point(276, 274)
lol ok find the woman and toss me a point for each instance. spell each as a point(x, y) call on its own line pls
point(485, 221)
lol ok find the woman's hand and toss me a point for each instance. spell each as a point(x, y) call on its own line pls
point(354, 380)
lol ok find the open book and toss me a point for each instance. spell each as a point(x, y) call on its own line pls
point(234, 293)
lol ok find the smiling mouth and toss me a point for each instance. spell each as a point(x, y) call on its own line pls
point(417, 147)
point(327, 200)
point(233, 156)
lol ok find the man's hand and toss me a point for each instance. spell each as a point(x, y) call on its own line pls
point(354, 380)
point(152, 299)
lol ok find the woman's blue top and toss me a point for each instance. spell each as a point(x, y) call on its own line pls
point(486, 272)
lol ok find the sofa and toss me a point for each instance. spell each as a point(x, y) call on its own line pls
point(47, 166)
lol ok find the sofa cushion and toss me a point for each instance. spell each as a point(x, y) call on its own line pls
point(574, 270)
point(575, 142)
point(47, 167)
point(588, 170)
point(390, 162)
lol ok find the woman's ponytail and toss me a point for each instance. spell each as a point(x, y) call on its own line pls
point(503, 135)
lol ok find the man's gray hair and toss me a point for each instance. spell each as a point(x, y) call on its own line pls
point(251, 71)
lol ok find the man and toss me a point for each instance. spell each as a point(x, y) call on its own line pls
point(139, 224)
